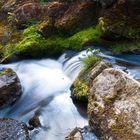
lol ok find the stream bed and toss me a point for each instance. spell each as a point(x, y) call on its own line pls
point(46, 89)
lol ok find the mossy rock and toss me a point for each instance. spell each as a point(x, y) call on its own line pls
point(113, 106)
point(34, 45)
point(81, 86)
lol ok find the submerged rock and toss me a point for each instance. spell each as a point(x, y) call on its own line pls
point(114, 106)
point(34, 122)
point(85, 133)
point(11, 129)
point(74, 135)
point(10, 87)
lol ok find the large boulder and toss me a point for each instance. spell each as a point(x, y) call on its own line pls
point(122, 19)
point(52, 12)
point(11, 129)
point(11, 5)
point(27, 13)
point(10, 87)
point(67, 18)
point(114, 106)
point(79, 15)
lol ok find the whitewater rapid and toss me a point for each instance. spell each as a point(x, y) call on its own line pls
point(46, 89)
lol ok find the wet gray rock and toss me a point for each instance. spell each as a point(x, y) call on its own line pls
point(11, 129)
point(10, 87)
point(34, 122)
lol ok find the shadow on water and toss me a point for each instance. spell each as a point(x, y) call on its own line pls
point(41, 104)
point(81, 108)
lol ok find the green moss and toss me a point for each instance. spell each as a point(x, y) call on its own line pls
point(4, 72)
point(90, 61)
point(110, 99)
point(126, 47)
point(33, 44)
point(81, 86)
point(80, 90)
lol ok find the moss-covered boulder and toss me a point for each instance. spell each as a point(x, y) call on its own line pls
point(66, 17)
point(81, 86)
point(34, 45)
point(27, 13)
point(113, 107)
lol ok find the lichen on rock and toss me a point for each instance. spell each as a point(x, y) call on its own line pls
point(113, 107)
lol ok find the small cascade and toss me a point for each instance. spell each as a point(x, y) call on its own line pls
point(74, 64)
point(46, 89)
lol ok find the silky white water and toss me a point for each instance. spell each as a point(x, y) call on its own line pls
point(48, 82)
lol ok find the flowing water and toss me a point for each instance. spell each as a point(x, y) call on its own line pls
point(46, 89)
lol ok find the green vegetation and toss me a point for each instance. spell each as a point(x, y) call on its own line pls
point(80, 90)
point(6, 71)
point(90, 61)
point(33, 44)
point(81, 86)
point(126, 47)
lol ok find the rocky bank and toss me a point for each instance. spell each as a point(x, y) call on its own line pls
point(63, 25)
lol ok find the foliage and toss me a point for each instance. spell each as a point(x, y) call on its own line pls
point(91, 59)
point(81, 86)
